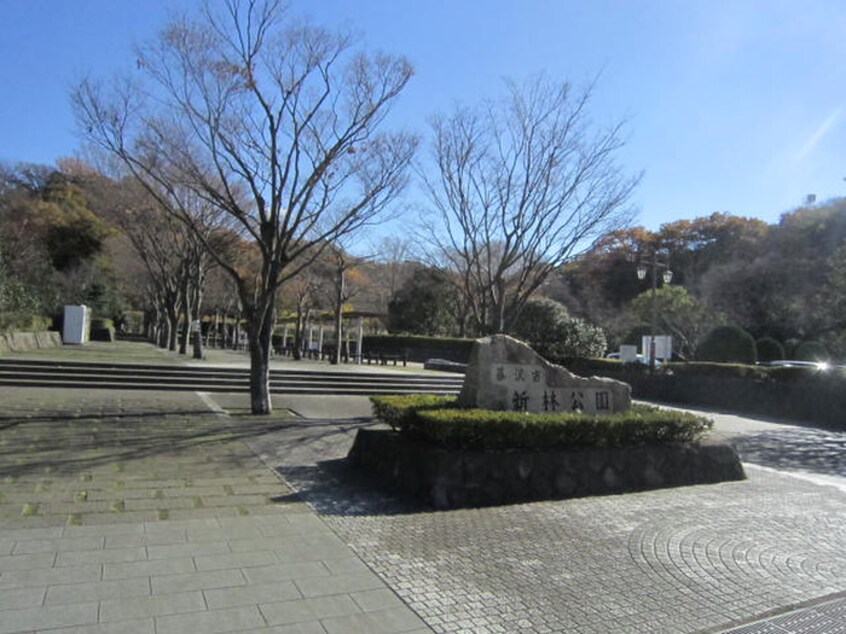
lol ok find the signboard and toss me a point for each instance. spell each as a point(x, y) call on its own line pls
point(663, 347)
point(528, 391)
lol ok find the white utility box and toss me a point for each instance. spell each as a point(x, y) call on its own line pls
point(77, 325)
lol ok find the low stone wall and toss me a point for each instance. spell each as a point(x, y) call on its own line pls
point(23, 341)
point(453, 479)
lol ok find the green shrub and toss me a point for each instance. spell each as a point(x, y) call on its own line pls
point(102, 323)
point(811, 351)
point(551, 331)
point(727, 344)
point(634, 337)
point(718, 370)
point(400, 411)
point(790, 346)
point(484, 429)
point(769, 349)
point(23, 322)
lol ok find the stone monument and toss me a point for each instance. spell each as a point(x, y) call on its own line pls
point(506, 374)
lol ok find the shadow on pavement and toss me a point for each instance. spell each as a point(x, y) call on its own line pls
point(66, 443)
point(816, 451)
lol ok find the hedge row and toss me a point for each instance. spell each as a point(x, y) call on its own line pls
point(780, 374)
point(23, 322)
point(400, 411)
point(427, 417)
point(420, 348)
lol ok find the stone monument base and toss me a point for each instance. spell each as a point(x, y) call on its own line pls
point(448, 478)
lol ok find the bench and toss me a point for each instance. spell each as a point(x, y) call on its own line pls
point(382, 358)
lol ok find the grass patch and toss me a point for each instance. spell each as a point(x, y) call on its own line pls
point(81, 496)
point(29, 509)
point(163, 514)
point(75, 519)
point(158, 494)
point(228, 490)
point(118, 506)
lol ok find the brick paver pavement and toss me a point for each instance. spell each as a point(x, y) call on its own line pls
point(135, 512)
point(676, 560)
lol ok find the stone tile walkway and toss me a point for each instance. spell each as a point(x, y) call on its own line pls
point(133, 512)
point(691, 559)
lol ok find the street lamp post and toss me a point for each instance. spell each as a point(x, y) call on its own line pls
point(653, 264)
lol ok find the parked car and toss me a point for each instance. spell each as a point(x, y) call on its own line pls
point(791, 363)
point(640, 358)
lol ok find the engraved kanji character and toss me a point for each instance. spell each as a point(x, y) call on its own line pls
point(550, 401)
point(520, 401)
point(577, 402)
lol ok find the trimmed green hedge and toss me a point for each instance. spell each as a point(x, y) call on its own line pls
point(483, 429)
point(420, 348)
point(400, 412)
point(718, 370)
point(431, 417)
point(705, 369)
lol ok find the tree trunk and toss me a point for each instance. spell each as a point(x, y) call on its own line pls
point(296, 352)
point(164, 330)
point(236, 331)
point(259, 376)
point(185, 336)
point(198, 331)
point(339, 308)
point(173, 328)
point(161, 333)
point(259, 333)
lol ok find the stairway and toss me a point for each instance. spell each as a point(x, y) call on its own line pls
point(127, 376)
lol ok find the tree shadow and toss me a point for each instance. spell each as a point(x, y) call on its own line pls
point(334, 487)
point(63, 444)
point(816, 451)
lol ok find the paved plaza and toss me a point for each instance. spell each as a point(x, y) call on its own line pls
point(145, 512)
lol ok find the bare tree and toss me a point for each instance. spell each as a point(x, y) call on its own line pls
point(392, 267)
point(340, 291)
point(273, 125)
point(521, 186)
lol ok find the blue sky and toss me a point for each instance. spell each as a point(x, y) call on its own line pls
point(732, 105)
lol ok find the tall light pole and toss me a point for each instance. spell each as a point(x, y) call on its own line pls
point(645, 266)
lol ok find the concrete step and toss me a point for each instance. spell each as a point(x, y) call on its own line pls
point(76, 375)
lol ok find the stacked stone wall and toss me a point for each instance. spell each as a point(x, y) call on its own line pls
point(447, 478)
point(23, 341)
